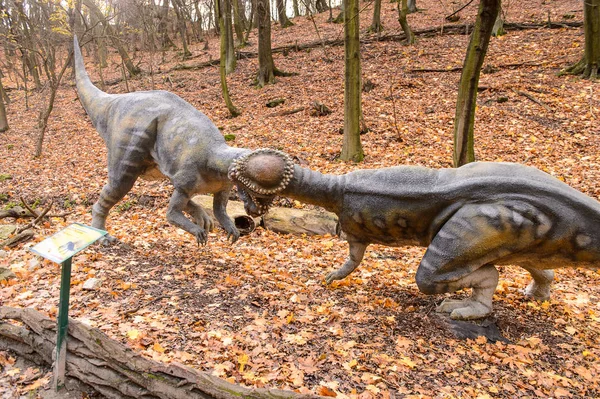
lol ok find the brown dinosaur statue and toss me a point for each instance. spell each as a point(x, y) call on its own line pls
point(470, 219)
point(151, 134)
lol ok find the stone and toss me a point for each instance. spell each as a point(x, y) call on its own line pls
point(6, 230)
point(6, 274)
point(92, 284)
point(34, 264)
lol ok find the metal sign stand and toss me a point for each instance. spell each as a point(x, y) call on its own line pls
point(63, 324)
point(60, 248)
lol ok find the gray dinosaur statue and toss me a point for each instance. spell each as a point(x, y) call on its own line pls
point(151, 134)
point(470, 219)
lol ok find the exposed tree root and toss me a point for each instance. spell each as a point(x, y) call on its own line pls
point(582, 68)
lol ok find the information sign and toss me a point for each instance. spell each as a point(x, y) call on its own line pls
point(67, 242)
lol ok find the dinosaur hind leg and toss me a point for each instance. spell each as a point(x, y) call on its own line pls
point(539, 288)
point(111, 193)
point(462, 253)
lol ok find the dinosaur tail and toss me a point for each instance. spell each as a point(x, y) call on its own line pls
point(94, 100)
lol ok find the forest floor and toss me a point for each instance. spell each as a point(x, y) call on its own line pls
point(258, 312)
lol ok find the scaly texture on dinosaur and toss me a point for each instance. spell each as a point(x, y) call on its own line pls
point(156, 133)
point(470, 219)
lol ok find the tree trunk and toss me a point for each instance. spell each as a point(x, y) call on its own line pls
point(45, 114)
point(296, 9)
point(220, 12)
point(227, 32)
point(238, 24)
point(352, 148)
point(402, 13)
point(498, 29)
point(412, 6)
point(100, 41)
point(132, 69)
point(3, 118)
point(163, 17)
point(266, 66)
point(199, 20)
point(591, 20)
point(376, 25)
point(464, 120)
point(321, 5)
point(284, 21)
point(111, 368)
point(589, 65)
point(178, 7)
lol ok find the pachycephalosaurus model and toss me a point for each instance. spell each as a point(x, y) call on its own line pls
point(470, 219)
point(155, 133)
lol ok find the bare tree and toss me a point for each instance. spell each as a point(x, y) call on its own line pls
point(352, 147)
point(220, 11)
point(127, 62)
point(589, 65)
point(163, 15)
point(266, 66)
point(238, 23)
point(412, 6)
point(464, 120)
point(376, 25)
point(402, 12)
point(284, 21)
point(3, 117)
point(178, 7)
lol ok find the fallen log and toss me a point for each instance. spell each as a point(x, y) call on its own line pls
point(301, 221)
point(451, 29)
point(17, 239)
point(278, 219)
point(245, 224)
point(113, 369)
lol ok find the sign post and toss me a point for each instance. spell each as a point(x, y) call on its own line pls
point(60, 248)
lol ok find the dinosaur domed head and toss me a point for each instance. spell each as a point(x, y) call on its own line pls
point(260, 176)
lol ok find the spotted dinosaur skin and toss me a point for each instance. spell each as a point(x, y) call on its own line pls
point(470, 219)
point(156, 133)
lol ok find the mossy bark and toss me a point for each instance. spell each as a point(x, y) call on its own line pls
point(266, 66)
point(219, 5)
point(227, 31)
point(284, 21)
point(3, 118)
point(402, 13)
point(376, 25)
point(589, 65)
point(498, 29)
point(131, 68)
point(464, 120)
point(352, 148)
point(238, 23)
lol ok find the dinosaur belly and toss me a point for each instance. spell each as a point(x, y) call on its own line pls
point(391, 229)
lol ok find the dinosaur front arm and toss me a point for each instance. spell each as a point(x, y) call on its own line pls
point(357, 251)
point(220, 200)
point(179, 202)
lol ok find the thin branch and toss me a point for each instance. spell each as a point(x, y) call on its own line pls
point(457, 11)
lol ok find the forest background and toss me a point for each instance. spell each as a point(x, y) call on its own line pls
point(257, 312)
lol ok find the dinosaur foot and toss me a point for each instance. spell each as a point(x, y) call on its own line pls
point(108, 240)
point(540, 292)
point(466, 309)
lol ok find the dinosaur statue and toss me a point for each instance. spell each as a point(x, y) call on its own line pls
point(151, 134)
point(470, 219)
